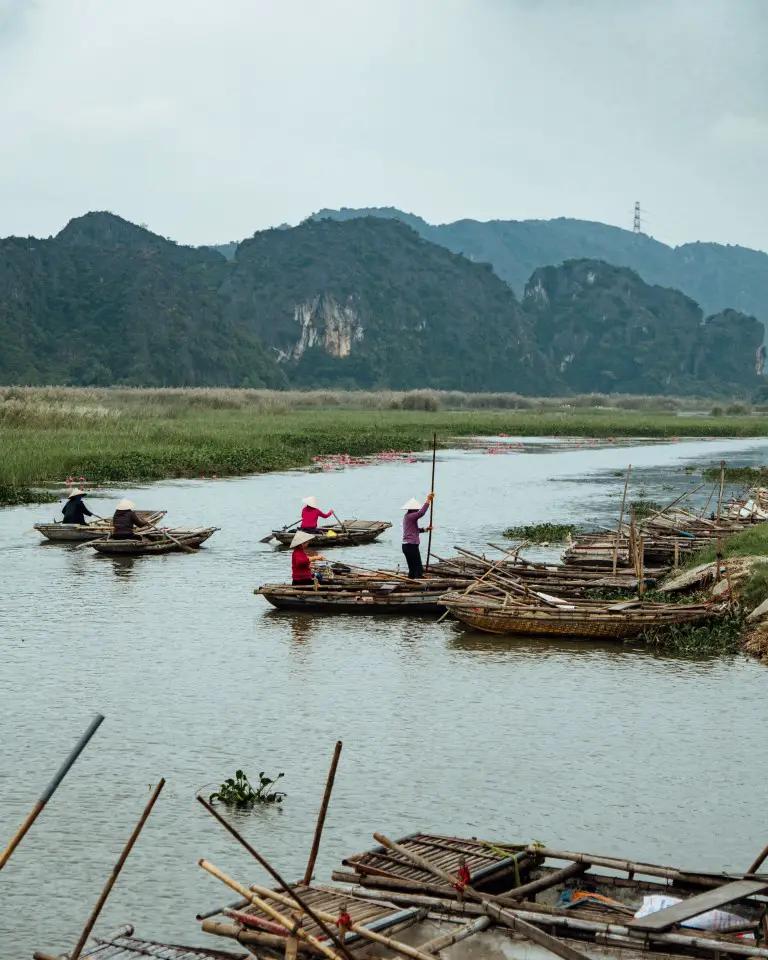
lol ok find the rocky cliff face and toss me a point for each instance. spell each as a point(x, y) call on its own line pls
point(605, 330)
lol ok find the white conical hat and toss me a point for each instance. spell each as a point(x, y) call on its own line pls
point(300, 538)
point(411, 505)
point(75, 493)
point(310, 501)
point(125, 505)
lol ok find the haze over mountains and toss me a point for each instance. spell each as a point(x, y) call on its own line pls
point(345, 300)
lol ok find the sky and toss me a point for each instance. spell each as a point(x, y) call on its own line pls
point(207, 120)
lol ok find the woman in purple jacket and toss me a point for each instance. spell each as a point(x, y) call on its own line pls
point(414, 511)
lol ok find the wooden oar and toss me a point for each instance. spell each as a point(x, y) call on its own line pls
point(340, 522)
point(178, 542)
point(287, 527)
point(50, 789)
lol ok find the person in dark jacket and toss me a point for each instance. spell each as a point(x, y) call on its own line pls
point(74, 510)
point(125, 521)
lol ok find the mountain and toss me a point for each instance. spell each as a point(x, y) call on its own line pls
point(364, 302)
point(369, 303)
point(108, 302)
point(605, 330)
point(715, 275)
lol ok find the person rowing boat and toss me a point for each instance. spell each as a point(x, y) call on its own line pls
point(125, 521)
point(301, 561)
point(74, 510)
point(310, 515)
point(414, 511)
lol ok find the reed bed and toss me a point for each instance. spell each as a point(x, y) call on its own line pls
point(130, 434)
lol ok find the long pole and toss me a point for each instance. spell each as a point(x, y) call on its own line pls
point(332, 937)
point(432, 503)
point(621, 519)
point(116, 873)
point(720, 495)
point(321, 817)
point(50, 790)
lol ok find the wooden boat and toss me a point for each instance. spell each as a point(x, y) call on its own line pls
point(348, 533)
point(353, 595)
point(628, 908)
point(494, 613)
point(154, 543)
point(81, 533)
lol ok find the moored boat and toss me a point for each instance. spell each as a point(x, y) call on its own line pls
point(161, 541)
point(81, 533)
point(347, 533)
point(360, 596)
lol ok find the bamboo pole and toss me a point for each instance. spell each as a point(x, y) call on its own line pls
point(432, 502)
point(448, 939)
point(248, 937)
point(759, 862)
point(115, 873)
point(403, 948)
point(50, 789)
point(490, 905)
point(475, 582)
point(621, 519)
point(269, 910)
point(321, 816)
point(720, 494)
point(332, 937)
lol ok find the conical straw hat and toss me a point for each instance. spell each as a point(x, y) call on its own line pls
point(300, 538)
point(75, 493)
point(411, 505)
point(310, 502)
point(125, 505)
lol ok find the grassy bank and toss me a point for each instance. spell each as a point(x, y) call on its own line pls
point(129, 435)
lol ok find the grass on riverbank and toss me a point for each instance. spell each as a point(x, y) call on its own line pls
point(132, 435)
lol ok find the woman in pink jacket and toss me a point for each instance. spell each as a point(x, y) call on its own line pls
point(310, 515)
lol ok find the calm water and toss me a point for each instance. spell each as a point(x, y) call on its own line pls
point(602, 748)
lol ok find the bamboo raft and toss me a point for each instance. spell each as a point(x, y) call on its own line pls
point(121, 944)
point(347, 533)
point(155, 543)
point(577, 620)
point(81, 533)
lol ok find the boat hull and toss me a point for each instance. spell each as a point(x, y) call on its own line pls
point(82, 533)
point(360, 603)
point(350, 533)
point(144, 547)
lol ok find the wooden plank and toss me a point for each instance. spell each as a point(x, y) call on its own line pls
point(701, 903)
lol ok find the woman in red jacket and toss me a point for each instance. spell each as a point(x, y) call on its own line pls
point(301, 563)
point(310, 515)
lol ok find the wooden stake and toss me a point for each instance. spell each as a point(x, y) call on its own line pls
point(50, 789)
point(321, 817)
point(115, 873)
point(759, 862)
point(621, 518)
point(720, 495)
point(269, 910)
point(332, 937)
point(432, 504)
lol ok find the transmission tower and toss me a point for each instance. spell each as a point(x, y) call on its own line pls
point(636, 226)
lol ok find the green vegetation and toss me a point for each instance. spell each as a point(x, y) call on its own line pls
point(359, 303)
point(645, 508)
point(715, 638)
point(541, 532)
point(239, 792)
point(744, 476)
point(715, 275)
point(130, 435)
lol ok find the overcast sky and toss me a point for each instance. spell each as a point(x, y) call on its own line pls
point(210, 119)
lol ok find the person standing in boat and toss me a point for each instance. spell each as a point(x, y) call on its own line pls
point(301, 562)
point(414, 511)
point(74, 510)
point(310, 514)
point(125, 521)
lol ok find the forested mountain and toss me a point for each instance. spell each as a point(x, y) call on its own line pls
point(715, 275)
point(361, 302)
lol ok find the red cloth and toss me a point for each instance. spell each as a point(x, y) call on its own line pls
point(300, 564)
point(309, 516)
point(464, 878)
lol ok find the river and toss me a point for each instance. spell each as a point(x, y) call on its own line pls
point(608, 748)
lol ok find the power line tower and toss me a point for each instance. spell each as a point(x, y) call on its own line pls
point(637, 226)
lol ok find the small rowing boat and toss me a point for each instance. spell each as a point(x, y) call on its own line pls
point(360, 596)
point(81, 533)
point(347, 533)
point(159, 541)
